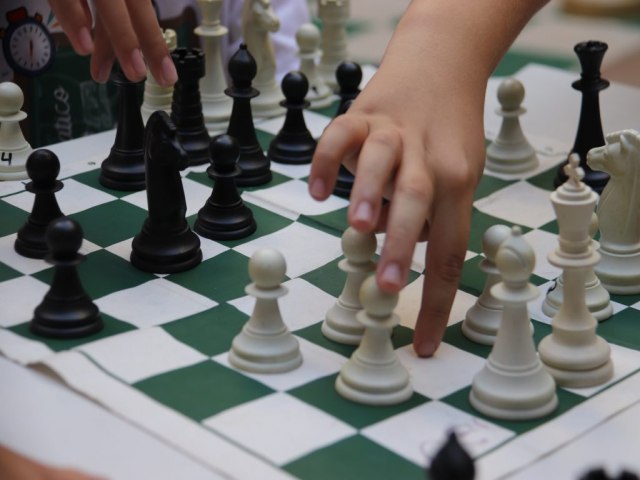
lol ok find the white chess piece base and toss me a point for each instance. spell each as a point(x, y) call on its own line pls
point(620, 273)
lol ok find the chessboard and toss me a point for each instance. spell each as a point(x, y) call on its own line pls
point(161, 361)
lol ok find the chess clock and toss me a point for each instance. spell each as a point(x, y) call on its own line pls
point(26, 43)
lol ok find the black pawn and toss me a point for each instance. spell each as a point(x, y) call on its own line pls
point(348, 78)
point(256, 168)
point(165, 243)
point(123, 169)
point(186, 106)
point(66, 310)
point(224, 216)
point(42, 167)
point(452, 462)
point(293, 144)
point(589, 134)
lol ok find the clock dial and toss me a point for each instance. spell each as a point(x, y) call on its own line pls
point(28, 47)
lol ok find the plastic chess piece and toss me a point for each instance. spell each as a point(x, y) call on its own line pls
point(216, 106)
point(589, 134)
point(224, 216)
point(293, 144)
point(340, 323)
point(452, 462)
point(333, 16)
point(43, 168)
point(186, 106)
point(66, 310)
point(348, 76)
point(123, 169)
point(256, 168)
point(619, 212)
point(573, 353)
point(374, 375)
point(308, 40)
point(514, 385)
point(259, 21)
point(597, 298)
point(483, 318)
point(165, 244)
point(265, 344)
point(157, 97)
point(510, 152)
point(14, 148)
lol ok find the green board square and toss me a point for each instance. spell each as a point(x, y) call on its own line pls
point(112, 327)
point(473, 279)
point(322, 394)
point(566, 401)
point(210, 332)
point(545, 179)
point(264, 139)
point(221, 278)
point(12, 218)
point(111, 222)
point(333, 223)
point(103, 273)
point(329, 277)
point(314, 334)
point(622, 328)
point(480, 222)
point(204, 179)
point(355, 458)
point(625, 299)
point(202, 390)
point(514, 60)
point(92, 179)
point(489, 185)
point(551, 227)
point(7, 273)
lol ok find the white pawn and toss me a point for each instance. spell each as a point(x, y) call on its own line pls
point(14, 148)
point(513, 385)
point(374, 375)
point(573, 353)
point(157, 97)
point(265, 344)
point(308, 39)
point(340, 323)
point(258, 22)
point(216, 106)
point(597, 298)
point(483, 318)
point(510, 152)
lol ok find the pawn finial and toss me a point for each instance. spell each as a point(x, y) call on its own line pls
point(358, 246)
point(376, 303)
point(267, 268)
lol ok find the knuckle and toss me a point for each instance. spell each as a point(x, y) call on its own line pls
point(388, 139)
point(449, 268)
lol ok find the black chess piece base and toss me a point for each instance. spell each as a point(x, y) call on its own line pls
point(293, 151)
point(344, 183)
point(159, 252)
point(225, 223)
point(123, 171)
point(62, 318)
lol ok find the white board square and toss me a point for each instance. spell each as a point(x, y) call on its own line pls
point(19, 297)
point(279, 427)
point(139, 354)
point(155, 302)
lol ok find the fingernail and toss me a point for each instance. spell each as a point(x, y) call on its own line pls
point(363, 213)
point(86, 42)
point(391, 275)
point(169, 71)
point(103, 72)
point(137, 62)
point(426, 349)
point(317, 188)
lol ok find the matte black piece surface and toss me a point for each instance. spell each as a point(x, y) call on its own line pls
point(452, 462)
point(589, 134)
point(66, 310)
point(123, 169)
point(165, 244)
point(186, 105)
point(224, 216)
point(43, 168)
point(293, 144)
point(255, 167)
point(601, 474)
point(348, 78)
point(345, 179)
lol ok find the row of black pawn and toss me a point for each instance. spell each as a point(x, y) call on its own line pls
point(124, 167)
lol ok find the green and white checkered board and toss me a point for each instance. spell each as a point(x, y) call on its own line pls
point(161, 360)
